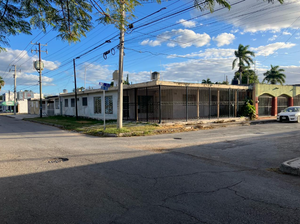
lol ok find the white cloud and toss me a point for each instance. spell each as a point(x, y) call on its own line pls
point(254, 16)
point(209, 53)
point(95, 73)
point(286, 33)
point(151, 43)
point(271, 48)
point(24, 62)
point(273, 38)
point(234, 31)
point(188, 24)
point(214, 68)
point(182, 37)
point(224, 39)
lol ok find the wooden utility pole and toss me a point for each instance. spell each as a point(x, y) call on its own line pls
point(120, 81)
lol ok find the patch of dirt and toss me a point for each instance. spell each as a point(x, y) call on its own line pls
point(84, 122)
point(276, 170)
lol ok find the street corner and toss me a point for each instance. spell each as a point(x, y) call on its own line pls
point(291, 167)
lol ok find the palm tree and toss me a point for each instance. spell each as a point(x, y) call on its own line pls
point(1, 82)
point(248, 76)
point(207, 81)
point(243, 55)
point(275, 75)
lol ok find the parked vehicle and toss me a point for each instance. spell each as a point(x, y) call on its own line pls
point(289, 114)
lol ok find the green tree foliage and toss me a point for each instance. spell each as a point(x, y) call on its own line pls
point(126, 82)
point(222, 83)
point(248, 76)
point(248, 109)
point(274, 75)
point(1, 82)
point(206, 81)
point(71, 18)
point(243, 56)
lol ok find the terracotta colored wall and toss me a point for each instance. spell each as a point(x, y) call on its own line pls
point(274, 109)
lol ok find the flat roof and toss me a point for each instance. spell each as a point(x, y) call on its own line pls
point(155, 83)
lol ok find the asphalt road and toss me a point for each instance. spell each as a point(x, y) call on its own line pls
point(224, 175)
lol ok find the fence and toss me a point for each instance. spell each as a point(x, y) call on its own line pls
point(162, 103)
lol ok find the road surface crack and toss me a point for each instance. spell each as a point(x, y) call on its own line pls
point(260, 201)
point(201, 192)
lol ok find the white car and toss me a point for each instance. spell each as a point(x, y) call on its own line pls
point(289, 114)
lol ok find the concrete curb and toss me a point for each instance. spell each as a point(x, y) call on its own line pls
point(262, 121)
point(291, 166)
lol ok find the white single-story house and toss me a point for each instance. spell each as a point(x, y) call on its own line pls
point(157, 100)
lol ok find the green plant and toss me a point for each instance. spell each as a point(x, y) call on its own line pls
point(248, 109)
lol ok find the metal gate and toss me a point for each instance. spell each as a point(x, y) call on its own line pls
point(265, 105)
point(282, 103)
point(297, 100)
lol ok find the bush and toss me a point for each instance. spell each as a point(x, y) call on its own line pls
point(248, 109)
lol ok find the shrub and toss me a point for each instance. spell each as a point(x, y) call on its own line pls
point(248, 109)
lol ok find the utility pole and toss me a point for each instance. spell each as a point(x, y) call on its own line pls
point(39, 67)
point(75, 87)
point(120, 81)
point(15, 88)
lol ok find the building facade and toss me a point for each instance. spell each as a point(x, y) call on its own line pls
point(158, 101)
point(270, 100)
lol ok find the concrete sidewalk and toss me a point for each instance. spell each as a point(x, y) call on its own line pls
point(20, 116)
point(291, 167)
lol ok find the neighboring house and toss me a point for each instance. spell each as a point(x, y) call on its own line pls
point(21, 103)
point(272, 99)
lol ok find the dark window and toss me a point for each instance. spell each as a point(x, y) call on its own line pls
point(72, 102)
point(125, 106)
point(97, 105)
point(109, 105)
point(84, 101)
point(66, 102)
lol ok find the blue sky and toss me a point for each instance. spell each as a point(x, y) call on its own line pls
point(187, 47)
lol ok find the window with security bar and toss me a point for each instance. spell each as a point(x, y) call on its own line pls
point(108, 105)
point(56, 103)
point(66, 102)
point(84, 101)
point(72, 102)
point(97, 105)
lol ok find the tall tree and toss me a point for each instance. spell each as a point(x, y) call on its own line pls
point(243, 56)
point(248, 76)
point(206, 81)
point(71, 18)
point(1, 82)
point(274, 75)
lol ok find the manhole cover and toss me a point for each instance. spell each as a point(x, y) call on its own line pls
point(57, 160)
point(177, 138)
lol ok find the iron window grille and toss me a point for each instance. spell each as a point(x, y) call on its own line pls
point(72, 102)
point(108, 105)
point(84, 101)
point(97, 105)
point(66, 102)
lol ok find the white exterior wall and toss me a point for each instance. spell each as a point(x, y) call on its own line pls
point(88, 111)
point(23, 106)
point(57, 107)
